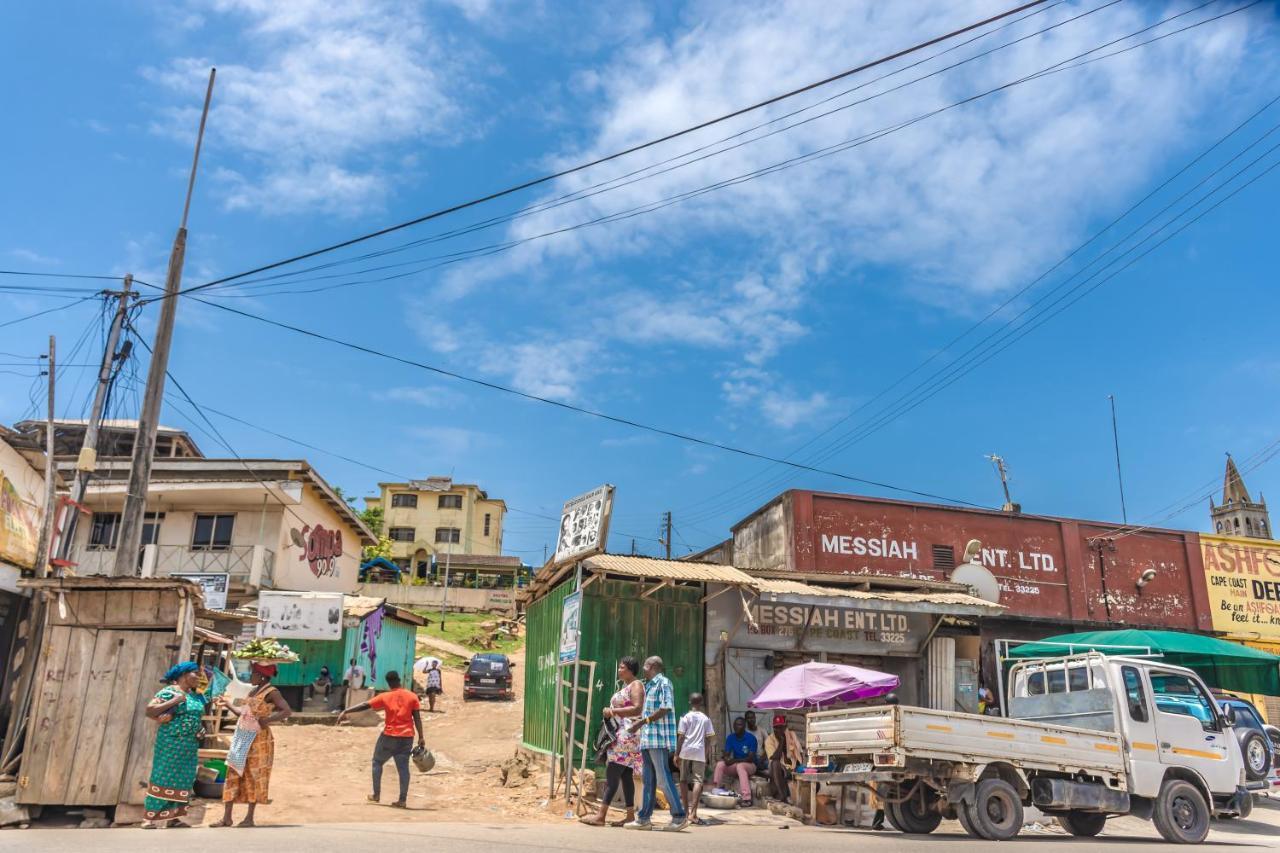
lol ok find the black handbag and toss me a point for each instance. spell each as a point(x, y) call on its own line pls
point(604, 739)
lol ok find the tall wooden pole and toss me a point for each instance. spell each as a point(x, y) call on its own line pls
point(50, 489)
point(144, 443)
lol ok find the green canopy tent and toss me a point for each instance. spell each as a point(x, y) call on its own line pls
point(1222, 664)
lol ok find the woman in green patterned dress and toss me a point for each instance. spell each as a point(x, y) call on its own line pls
point(178, 709)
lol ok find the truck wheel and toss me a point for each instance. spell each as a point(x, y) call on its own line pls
point(997, 810)
point(918, 815)
point(966, 821)
point(1257, 755)
point(1180, 813)
point(1084, 824)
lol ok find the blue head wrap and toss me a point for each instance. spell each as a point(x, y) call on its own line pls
point(178, 670)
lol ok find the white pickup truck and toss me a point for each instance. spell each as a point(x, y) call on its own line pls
point(1088, 736)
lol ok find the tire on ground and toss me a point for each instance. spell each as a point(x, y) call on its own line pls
point(1180, 813)
point(997, 810)
point(966, 821)
point(1083, 824)
point(918, 814)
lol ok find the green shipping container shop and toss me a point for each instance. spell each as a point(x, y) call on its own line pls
point(631, 606)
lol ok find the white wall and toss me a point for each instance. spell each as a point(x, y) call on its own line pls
point(293, 570)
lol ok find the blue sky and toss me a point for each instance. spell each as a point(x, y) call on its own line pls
point(757, 315)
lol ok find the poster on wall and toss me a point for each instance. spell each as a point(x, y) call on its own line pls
point(214, 584)
point(300, 615)
point(570, 627)
point(20, 527)
point(1243, 579)
point(584, 525)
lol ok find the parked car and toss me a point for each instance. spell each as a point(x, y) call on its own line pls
point(489, 674)
point(1250, 731)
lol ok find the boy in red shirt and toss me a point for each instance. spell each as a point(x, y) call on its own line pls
point(403, 717)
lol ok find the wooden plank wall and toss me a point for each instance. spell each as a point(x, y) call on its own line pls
point(119, 608)
point(90, 743)
point(142, 741)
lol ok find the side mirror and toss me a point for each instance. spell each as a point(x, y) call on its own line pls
point(1229, 714)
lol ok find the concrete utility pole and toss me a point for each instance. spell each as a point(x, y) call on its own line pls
point(144, 442)
point(87, 461)
point(666, 532)
point(1003, 471)
point(50, 490)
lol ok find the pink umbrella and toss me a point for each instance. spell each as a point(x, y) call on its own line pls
point(816, 683)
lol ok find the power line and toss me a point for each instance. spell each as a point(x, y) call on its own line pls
point(488, 250)
point(621, 181)
point(624, 152)
point(47, 311)
point(30, 274)
point(494, 386)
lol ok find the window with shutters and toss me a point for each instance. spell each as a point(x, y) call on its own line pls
point(944, 557)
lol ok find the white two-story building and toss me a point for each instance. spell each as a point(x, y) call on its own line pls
point(268, 523)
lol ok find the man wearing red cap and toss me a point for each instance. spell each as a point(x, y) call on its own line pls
point(782, 748)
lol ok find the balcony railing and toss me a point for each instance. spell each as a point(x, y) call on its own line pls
point(251, 565)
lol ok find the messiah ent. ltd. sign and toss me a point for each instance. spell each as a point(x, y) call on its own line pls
point(893, 630)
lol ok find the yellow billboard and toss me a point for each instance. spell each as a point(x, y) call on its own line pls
point(1243, 578)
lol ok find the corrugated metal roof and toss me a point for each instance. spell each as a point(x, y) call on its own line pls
point(782, 587)
point(648, 567)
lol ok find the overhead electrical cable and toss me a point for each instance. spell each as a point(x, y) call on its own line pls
point(488, 250)
point(621, 181)
point(534, 182)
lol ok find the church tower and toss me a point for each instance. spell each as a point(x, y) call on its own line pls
point(1238, 515)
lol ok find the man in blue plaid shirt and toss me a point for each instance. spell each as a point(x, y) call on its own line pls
point(657, 727)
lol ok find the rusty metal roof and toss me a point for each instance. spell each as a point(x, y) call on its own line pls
point(678, 570)
point(955, 599)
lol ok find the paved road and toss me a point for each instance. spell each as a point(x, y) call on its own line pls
point(515, 838)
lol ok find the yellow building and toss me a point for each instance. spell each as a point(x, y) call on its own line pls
point(438, 517)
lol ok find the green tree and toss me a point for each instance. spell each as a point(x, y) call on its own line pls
point(382, 549)
point(372, 517)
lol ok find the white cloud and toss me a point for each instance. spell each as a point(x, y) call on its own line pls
point(769, 396)
point(328, 90)
point(450, 441)
point(547, 368)
point(34, 257)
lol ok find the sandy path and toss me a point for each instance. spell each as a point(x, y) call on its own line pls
point(322, 773)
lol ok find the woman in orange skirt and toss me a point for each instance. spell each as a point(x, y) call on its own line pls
point(251, 784)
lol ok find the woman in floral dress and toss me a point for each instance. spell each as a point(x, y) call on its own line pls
point(625, 759)
point(178, 709)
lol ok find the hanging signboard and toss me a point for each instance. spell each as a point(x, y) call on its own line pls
point(887, 631)
point(1243, 578)
point(570, 627)
point(300, 615)
point(214, 584)
point(584, 525)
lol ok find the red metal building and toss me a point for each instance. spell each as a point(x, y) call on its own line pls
point(1053, 572)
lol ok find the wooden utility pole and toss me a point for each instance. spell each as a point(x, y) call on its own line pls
point(666, 532)
point(50, 489)
point(144, 442)
point(86, 463)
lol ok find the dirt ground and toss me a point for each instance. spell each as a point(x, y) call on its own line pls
point(322, 773)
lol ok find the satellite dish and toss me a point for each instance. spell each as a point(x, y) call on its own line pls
point(984, 583)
